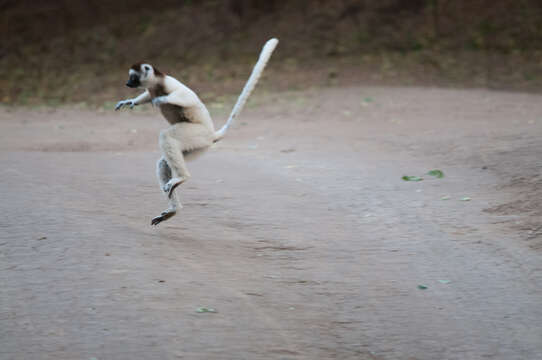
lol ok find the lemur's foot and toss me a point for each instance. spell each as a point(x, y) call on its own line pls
point(163, 216)
point(171, 185)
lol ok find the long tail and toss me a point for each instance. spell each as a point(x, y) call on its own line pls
point(249, 86)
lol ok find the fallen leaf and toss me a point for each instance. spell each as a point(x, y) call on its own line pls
point(445, 197)
point(444, 281)
point(466, 198)
point(287, 150)
point(436, 173)
point(205, 310)
point(422, 287)
point(412, 178)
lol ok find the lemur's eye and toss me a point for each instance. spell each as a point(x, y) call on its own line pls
point(147, 68)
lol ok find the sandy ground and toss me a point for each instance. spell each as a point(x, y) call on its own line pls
point(297, 229)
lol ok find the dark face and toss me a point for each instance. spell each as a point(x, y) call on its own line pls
point(133, 81)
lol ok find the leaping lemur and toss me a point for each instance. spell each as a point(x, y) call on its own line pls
point(192, 131)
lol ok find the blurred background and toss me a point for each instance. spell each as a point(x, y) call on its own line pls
point(56, 52)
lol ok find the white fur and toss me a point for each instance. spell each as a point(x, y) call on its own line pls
point(249, 86)
point(192, 131)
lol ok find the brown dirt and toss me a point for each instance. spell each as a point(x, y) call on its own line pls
point(297, 229)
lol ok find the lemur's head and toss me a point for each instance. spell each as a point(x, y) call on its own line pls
point(143, 75)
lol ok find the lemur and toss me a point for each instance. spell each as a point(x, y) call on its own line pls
point(192, 131)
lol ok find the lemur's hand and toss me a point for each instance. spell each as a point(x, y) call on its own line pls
point(129, 102)
point(159, 100)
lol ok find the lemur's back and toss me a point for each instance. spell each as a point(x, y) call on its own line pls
point(196, 113)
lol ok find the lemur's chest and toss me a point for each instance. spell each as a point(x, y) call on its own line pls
point(173, 113)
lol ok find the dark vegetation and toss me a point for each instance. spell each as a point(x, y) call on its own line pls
point(69, 51)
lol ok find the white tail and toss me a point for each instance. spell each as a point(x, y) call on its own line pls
point(249, 86)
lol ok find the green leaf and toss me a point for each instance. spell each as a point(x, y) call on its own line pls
point(205, 310)
point(412, 178)
point(444, 281)
point(422, 287)
point(466, 198)
point(436, 173)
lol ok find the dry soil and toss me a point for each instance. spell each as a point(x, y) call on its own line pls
point(297, 229)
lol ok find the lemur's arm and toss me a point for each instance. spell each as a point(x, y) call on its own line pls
point(144, 98)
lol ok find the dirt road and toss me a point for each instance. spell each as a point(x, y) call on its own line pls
point(297, 229)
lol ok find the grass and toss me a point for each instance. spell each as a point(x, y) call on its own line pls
point(71, 64)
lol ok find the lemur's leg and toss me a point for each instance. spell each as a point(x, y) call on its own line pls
point(179, 139)
point(163, 172)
